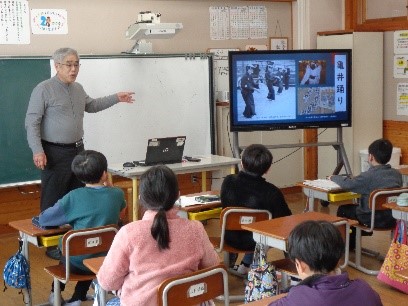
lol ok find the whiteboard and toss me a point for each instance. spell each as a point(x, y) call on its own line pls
point(172, 98)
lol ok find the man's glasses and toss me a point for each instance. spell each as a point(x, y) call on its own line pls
point(69, 66)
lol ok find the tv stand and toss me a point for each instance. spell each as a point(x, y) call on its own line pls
point(342, 160)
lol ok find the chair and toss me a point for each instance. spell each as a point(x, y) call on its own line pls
point(194, 288)
point(232, 218)
point(377, 199)
point(79, 242)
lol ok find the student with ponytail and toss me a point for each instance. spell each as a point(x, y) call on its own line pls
point(161, 245)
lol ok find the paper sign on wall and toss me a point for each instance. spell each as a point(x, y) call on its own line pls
point(49, 21)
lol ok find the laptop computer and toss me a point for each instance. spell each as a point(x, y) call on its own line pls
point(167, 150)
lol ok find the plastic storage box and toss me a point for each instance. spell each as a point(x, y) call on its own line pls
point(394, 161)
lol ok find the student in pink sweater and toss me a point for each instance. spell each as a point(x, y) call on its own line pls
point(146, 252)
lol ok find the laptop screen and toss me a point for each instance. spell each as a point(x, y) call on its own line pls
point(167, 150)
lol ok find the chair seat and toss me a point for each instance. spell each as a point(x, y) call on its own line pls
point(288, 269)
point(58, 271)
point(285, 265)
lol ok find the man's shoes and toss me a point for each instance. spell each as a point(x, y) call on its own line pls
point(53, 252)
point(51, 299)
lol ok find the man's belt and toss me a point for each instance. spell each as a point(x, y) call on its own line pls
point(65, 145)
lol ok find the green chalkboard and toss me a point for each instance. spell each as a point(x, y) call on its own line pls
point(18, 77)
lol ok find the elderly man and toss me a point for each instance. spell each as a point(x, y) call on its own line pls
point(54, 124)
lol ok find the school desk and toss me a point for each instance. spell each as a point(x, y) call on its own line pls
point(38, 237)
point(275, 232)
point(207, 163)
point(398, 212)
point(313, 193)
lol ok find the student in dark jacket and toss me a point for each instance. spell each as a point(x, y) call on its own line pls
point(249, 189)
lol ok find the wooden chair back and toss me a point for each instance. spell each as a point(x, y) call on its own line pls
point(379, 197)
point(232, 218)
point(87, 241)
point(194, 288)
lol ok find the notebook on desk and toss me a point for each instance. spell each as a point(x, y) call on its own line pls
point(324, 184)
point(167, 150)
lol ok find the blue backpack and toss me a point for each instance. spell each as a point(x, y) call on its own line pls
point(16, 272)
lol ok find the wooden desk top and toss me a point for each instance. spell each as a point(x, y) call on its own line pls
point(280, 228)
point(266, 301)
point(27, 227)
point(94, 264)
point(206, 206)
point(394, 206)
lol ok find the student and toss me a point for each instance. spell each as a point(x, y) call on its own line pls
point(379, 175)
point(144, 253)
point(94, 205)
point(249, 189)
point(316, 248)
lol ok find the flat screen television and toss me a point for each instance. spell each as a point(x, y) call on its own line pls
point(289, 89)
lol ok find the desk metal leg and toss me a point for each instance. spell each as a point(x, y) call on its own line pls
point(24, 251)
point(135, 200)
point(310, 200)
point(347, 247)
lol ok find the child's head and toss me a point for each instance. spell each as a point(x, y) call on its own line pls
point(159, 191)
point(318, 244)
point(158, 188)
point(89, 166)
point(381, 150)
point(256, 159)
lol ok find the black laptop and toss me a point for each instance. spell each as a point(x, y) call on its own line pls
point(167, 150)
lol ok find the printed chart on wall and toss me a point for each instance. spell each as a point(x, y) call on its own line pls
point(221, 72)
point(401, 69)
point(402, 99)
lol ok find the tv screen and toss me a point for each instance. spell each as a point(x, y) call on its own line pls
point(289, 89)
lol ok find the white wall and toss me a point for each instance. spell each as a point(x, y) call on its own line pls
point(98, 26)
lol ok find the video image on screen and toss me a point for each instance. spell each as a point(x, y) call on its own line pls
point(289, 89)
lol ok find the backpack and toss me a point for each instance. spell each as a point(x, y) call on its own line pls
point(16, 273)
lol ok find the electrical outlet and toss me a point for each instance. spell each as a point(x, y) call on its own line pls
point(93, 242)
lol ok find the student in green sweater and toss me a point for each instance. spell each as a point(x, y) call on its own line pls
point(96, 204)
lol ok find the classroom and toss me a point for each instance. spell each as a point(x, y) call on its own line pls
point(96, 29)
